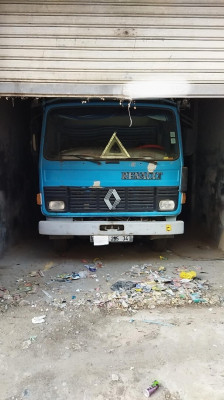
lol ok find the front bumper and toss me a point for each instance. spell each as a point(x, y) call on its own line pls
point(68, 227)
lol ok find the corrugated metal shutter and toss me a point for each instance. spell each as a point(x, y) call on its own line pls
point(130, 48)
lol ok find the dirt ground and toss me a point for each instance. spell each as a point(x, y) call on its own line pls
point(87, 352)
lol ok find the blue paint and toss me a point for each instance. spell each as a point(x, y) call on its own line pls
point(83, 173)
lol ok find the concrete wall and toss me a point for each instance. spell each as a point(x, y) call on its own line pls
point(210, 168)
point(15, 169)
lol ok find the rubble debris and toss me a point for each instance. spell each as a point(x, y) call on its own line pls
point(151, 389)
point(3, 292)
point(126, 285)
point(28, 287)
point(151, 288)
point(60, 304)
point(67, 277)
point(36, 274)
point(196, 298)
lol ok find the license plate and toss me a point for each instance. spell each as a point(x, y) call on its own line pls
point(115, 239)
point(120, 239)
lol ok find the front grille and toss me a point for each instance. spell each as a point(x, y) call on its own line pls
point(131, 199)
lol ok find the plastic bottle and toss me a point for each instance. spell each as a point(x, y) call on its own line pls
point(151, 389)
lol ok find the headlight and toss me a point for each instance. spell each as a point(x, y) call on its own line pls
point(166, 205)
point(56, 205)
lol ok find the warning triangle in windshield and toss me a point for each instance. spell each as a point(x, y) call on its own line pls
point(114, 148)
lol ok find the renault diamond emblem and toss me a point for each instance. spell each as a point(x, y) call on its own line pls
point(112, 192)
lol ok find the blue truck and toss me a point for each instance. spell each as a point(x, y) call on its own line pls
point(111, 170)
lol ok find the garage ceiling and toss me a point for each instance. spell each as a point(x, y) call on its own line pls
point(139, 49)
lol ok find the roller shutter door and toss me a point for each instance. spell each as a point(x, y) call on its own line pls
point(145, 48)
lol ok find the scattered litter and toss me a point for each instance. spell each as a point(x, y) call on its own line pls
point(151, 288)
point(3, 291)
point(35, 274)
point(196, 298)
point(90, 267)
point(38, 320)
point(26, 344)
point(24, 303)
point(47, 294)
point(48, 266)
point(98, 263)
point(151, 389)
point(163, 258)
point(59, 303)
point(92, 276)
point(33, 338)
point(126, 285)
point(147, 321)
point(73, 297)
point(137, 270)
point(143, 287)
point(162, 269)
point(67, 277)
point(26, 392)
point(188, 275)
point(28, 287)
point(83, 274)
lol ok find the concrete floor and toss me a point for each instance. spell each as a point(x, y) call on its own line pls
point(85, 352)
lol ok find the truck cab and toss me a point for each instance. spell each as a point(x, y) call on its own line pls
point(111, 170)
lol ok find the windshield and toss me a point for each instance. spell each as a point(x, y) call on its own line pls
point(111, 132)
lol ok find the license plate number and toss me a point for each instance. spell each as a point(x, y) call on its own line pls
point(116, 239)
point(120, 239)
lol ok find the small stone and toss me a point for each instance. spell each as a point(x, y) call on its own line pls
point(115, 377)
point(24, 303)
point(124, 304)
point(26, 344)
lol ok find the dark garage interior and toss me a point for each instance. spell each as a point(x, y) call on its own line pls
point(19, 213)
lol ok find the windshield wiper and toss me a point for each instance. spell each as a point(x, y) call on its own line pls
point(81, 157)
